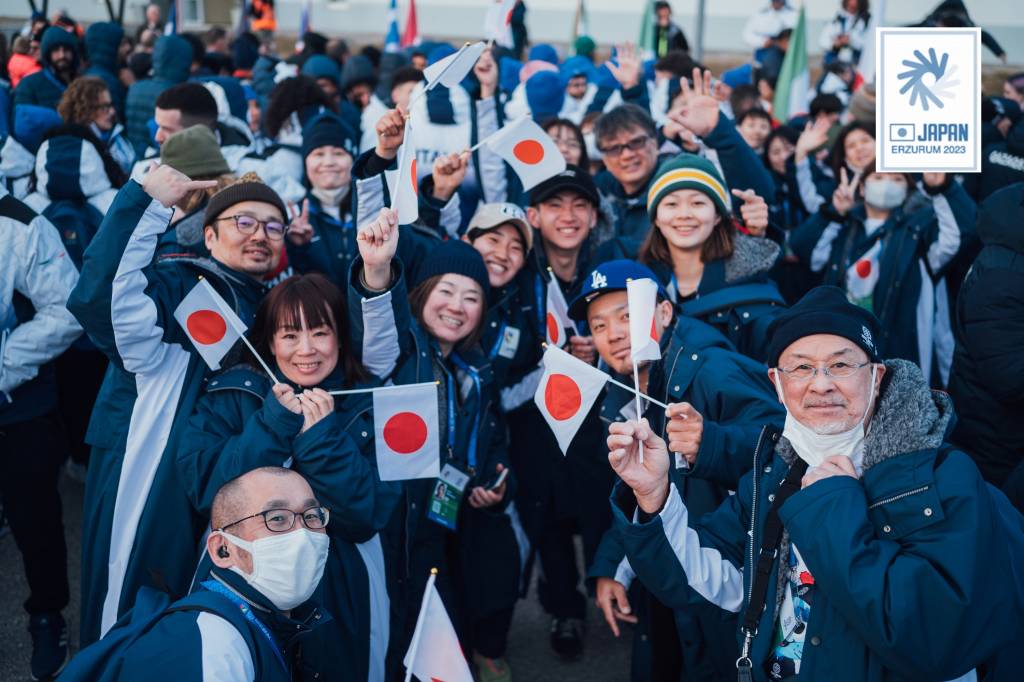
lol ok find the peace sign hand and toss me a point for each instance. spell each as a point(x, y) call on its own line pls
point(169, 186)
point(753, 212)
point(699, 112)
point(300, 231)
point(843, 198)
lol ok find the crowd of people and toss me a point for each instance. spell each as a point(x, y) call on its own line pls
point(839, 370)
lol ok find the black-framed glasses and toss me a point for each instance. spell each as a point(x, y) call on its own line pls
point(634, 145)
point(248, 225)
point(282, 520)
point(836, 370)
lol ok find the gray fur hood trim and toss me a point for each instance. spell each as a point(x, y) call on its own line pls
point(751, 256)
point(909, 417)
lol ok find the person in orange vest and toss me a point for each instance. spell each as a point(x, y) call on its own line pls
point(262, 21)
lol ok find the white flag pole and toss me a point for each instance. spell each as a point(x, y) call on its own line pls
point(263, 364)
point(639, 407)
point(353, 391)
point(415, 644)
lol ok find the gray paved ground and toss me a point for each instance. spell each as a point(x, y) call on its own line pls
point(605, 659)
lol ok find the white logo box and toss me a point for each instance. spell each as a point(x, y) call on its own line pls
point(934, 125)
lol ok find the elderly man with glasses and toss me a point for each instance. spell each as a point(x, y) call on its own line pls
point(141, 525)
point(252, 619)
point(861, 546)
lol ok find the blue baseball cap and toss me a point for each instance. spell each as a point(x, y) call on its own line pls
point(608, 277)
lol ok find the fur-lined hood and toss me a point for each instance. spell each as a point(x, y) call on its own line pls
point(751, 257)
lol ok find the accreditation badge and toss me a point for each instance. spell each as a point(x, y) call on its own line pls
point(446, 497)
point(928, 100)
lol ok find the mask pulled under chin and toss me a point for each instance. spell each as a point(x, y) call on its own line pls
point(330, 197)
point(286, 567)
point(813, 447)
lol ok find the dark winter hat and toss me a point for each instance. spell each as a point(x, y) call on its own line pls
point(322, 66)
point(606, 278)
point(458, 257)
point(249, 187)
point(545, 93)
point(53, 37)
point(195, 152)
point(824, 310)
point(327, 130)
point(688, 171)
point(572, 178)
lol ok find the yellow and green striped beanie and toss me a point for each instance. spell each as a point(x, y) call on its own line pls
point(688, 171)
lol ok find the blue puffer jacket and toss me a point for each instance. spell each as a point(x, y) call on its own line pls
point(102, 41)
point(394, 346)
point(915, 563)
point(917, 243)
point(172, 59)
point(238, 426)
point(734, 396)
point(37, 95)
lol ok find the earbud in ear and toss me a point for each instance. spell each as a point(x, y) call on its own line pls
point(222, 552)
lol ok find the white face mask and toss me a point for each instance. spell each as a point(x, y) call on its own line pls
point(330, 197)
point(286, 567)
point(884, 194)
point(590, 140)
point(813, 447)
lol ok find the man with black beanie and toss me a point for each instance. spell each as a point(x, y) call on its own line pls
point(141, 525)
point(861, 545)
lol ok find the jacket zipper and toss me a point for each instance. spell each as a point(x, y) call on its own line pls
point(900, 496)
point(748, 636)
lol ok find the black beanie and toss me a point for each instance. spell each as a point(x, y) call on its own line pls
point(824, 310)
point(458, 257)
point(327, 130)
point(247, 188)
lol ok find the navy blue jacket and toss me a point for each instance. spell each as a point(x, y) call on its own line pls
point(914, 562)
point(37, 94)
point(172, 60)
point(102, 42)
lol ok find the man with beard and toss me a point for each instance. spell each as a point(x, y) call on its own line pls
point(139, 520)
point(37, 94)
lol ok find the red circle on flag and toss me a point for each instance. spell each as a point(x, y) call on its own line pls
point(654, 330)
point(206, 327)
point(415, 183)
point(562, 397)
point(405, 432)
point(863, 268)
point(553, 332)
point(529, 152)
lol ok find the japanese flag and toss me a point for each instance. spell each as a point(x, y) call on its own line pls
point(529, 150)
point(210, 323)
point(403, 185)
point(566, 393)
point(434, 654)
point(450, 71)
point(642, 296)
point(405, 429)
point(862, 276)
point(498, 22)
point(557, 320)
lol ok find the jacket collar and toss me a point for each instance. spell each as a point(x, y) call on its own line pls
point(286, 628)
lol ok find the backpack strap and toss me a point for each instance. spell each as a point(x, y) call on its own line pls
point(213, 603)
point(762, 569)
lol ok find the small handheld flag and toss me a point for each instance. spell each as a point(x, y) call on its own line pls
point(556, 318)
point(411, 34)
point(566, 393)
point(528, 149)
point(498, 22)
point(642, 298)
point(405, 426)
point(403, 186)
point(434, 652)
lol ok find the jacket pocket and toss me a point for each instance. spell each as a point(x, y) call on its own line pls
point(901, 514)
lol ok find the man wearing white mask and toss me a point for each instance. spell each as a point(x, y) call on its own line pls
point(861, 546)
point(248, 621)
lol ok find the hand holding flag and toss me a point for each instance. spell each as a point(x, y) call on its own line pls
point(390, 133)
point(378, 243)
point(647, 477)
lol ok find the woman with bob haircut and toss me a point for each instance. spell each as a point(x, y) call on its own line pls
point(246, 421)
point(713, 268)
point(431, 335)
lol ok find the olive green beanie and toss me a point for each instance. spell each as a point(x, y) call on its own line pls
point(194, 151)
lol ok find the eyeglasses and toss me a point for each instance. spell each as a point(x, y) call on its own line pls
point(837, 370)
point(247, 225)
point(634, 145)
point(104, 106)
point(567, 143)
point(282, 520)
